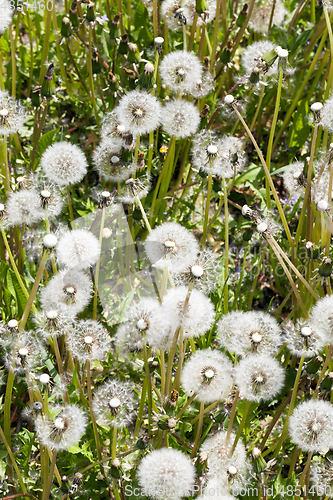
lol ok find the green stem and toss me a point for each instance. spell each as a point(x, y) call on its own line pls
point(12, 459)
point(13, 59)
point(91, 79)
point(226, 246)
point(70, 207)
point(305, 470)
point(46, 42)
point(199, 429)
point(207, 206)
point(4, 163)
point(291, 407)
point(241, 426)
point(36, 137)
point(12, 261)
point(271, 134)
point(98, 264)
point(232, 417)
point(275, 195)
point(114, 442)
point(92, 415)
point(47, 490)
point(34, 289)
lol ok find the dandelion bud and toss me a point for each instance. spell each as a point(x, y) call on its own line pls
point(142, 443)
point(115, 470)
point(173, 398)
point(255, 75)
point(229, 99)
point(270, 57)
point(66, 29)
point(242, 15)
point(73, 14)
point(146, 78)
point(48, 86)
point(95, 64)
point(166, 423)
point(50, 241)
point(314, 365)
point(123, 45)
point(133, 53)
point(327, 383)
point(322, 205)
point(325, 269)
point(90, 16)
point(258, 462)
point(201, 6)
point(312, 250)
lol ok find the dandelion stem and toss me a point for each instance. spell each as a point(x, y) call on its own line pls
point(232, 417)
point(226, 245)
point(148, 382)
point(199, 429)
point(4, 163)
point(114, 442)
point(305, 470)
point(141, 407)
point(241, 426)
point(91, 79)
point(207, 410)
point(209, 190)
point(47, 490)
point(29, 304)
point(92, 415)
point(37, 134)
point(98, 264)
point(13, 461)
point(272, 131)
point(291, 407)
point(188, 402)
point(323, 371)
point(71, 214)
point(13, 57)
point(12, 261)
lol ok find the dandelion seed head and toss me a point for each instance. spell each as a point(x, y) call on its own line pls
point(259, 377)
point(78, 248)
point(293, 178)
point(64, 163)
point(68, 291)
point(140, 325)
point(12, 113)
point(23, 352)
point(180, 71)
point(220, 457)
point(113, 129)
point(311, 426)
point(303, 338)
point(252, 57)
point(176, 257)
point(114, 403)
point(170, 13)
point(135, 189)
point(249, 332)
point(198, 316)
point(65, 430)
point(88, 340)
point(209, 374)
point(23, 207)
point(261, 14)
point(322, 318)
point(139, 112)
point(203, 86)
point(180, 118)
point(108, 161)
point(50, 240)
point(166, 472)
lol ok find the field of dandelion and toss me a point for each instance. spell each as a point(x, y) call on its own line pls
point(166, 172)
